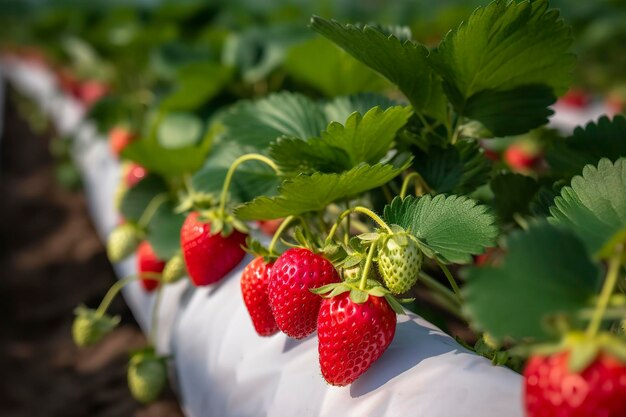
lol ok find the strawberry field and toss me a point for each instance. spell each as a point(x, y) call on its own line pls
point(421, 214)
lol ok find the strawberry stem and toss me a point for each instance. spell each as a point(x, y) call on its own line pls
point(151, 209)
point(366, 267)
point(451, 280)
point(607, 289)
point(279, 231)
point(110, 295)
point(421, 188)
point(155, 317)
point(445, 297)
point(231, 171)
point(357, 209)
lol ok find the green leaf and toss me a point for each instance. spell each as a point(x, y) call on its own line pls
point(257, 51)
point(251, 179)
point(546, 271)
point(606, 138)
point(404, 63)
point(513, 194)
point(450, 228)
point(367, 138)
point(178, 130)
point(594, 206)
point(164, 231)
point(332, 71)
point(306, 193)
point(458, 168)
point(340, 108)
point(363, 139)
point(167, 162)
point(294, 156)
point(197, 84)
point(258, 123)
point(507, 58)
point(137, 198)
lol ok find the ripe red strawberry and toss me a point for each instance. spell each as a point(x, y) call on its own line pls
point(352, 336)
point(520, 159)
point(91, 91)
point(575, 99)
point(148, 264)
point(552, 390)
point(295, 308)
point(209, 257)
point(134, 174)
point(254, 287)
point(119, 138)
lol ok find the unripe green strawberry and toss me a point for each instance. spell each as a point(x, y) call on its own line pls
point(89, 327)
point(174, 269)
point(123, 241)
point(147, 375)
point(399, 262)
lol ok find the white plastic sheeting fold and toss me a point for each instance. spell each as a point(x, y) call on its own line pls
point(222, 368)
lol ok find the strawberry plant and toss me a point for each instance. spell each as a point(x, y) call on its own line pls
point(381, 155)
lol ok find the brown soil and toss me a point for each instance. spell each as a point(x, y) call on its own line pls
point(50, 261)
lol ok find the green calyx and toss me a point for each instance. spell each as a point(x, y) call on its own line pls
point(222, 223)
point(174, 269)
point(147, 375)
point(584, 350)
point(195, 201)
point(89, 327)
point(123, 241)
point(360, 295)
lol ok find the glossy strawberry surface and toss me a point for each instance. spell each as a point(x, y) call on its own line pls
point(148, 262)
point(254, 288)
point(295, 308)
point(352, 336)
point(209, 257)
point(552, 390)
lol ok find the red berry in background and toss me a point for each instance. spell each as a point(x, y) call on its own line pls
point(254, 288)
point(68, 82)
point(521, 159)
point(615, 104)
point(119, 138)
point(295, 308)
point(209, 257)
point(575, 99)
point(551, 390)
point(352, 336)
point(269, 227)
point(147, 264)
point(91, 91)
point(134, 174)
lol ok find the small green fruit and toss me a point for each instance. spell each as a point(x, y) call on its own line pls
point(399, 262)
point(123, 241)
point(89, 327)
point(174, 269)
point(147, 375)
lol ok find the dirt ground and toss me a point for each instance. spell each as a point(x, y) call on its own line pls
point(50, 261)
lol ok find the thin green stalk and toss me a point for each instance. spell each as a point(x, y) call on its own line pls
point(283, 226)
point(155, 316)
point(607, 289)
point(151, 209)
point(366, 267)
point(110, 295)
point(374, 217)
point(231, 171)
point(451, 280)
point(414, 176)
